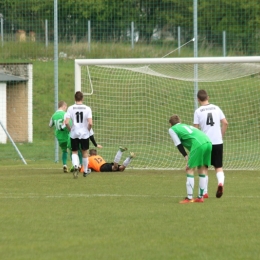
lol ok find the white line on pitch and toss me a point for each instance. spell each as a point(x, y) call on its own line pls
point(36, 196)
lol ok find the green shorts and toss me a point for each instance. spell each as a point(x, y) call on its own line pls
point(201, 156)
point(69, 143)
point(63, 145)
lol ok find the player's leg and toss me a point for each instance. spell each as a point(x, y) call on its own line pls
point(74, 156)
point(217, 162)
point(191, 165)
point(205, 192)
point(189, 186)
point(118, 157)
point(202, 171)
point(126, 162)
point(84, 143)
point(70, 153)
point(203, 160)
point(80, 157)
point(64, 156)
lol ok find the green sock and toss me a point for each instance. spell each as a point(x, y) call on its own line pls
point(64, 158)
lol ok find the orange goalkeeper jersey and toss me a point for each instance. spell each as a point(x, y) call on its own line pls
point(95, 162)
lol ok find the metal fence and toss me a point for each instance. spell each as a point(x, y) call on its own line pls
point(132, 21)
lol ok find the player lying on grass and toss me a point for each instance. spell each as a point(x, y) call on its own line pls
point(98, 164)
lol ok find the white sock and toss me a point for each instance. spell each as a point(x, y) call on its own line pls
point(75, 160)
point(220, 177)
point(190, 186)
point(206, 188)
point(118, 156)
point(127, 161)
point(85, 164)
point(202, 184)
point(207, 181)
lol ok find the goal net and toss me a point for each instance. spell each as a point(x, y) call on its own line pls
point(133, 99)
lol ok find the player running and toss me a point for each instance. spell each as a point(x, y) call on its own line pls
point(61, 132)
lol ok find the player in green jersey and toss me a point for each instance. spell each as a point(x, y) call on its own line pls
point(199, 146)
point(61, 131)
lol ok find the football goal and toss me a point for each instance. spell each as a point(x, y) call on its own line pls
point(133, 99)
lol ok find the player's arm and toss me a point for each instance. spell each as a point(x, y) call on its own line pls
point(63, 126)
point(178, 143)
point(92, 139)
point(196, 120)
point(182, 151)
point(90, 124)
point(224, 126)
point(67, 123)
point(51, 124)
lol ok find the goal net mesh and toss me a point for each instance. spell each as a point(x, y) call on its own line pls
point(132, 104)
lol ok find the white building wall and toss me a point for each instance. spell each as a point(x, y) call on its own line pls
point(3, 116)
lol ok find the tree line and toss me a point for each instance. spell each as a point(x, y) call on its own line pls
point(111, 19)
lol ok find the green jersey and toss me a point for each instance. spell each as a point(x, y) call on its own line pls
point(61, 131)
point(189, 136)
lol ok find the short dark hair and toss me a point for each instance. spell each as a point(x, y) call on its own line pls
point(92, 152)
point(202, 95)
point(174, 119)
point(78, 96)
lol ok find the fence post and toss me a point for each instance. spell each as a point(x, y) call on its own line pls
point(89, 35)
point(179, 39)
point(46, 33)
point(224, 43)
point(2, 29)
point(132, 34)
point(56, 73)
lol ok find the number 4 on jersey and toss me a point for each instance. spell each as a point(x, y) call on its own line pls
point(210, 119)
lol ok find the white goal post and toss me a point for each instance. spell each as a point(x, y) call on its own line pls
point(132, 100)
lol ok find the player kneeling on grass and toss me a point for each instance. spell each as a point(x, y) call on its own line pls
point(200, 148)
point(98, 164)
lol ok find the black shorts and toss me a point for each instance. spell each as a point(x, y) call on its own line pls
point(107, 167)
point(217, 155)
point(79, 144)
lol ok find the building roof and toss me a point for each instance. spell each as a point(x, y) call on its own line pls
point(10, 78)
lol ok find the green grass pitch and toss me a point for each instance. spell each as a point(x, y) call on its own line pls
point(46, 214)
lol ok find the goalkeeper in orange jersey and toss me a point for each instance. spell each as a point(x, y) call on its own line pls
point(98, 164)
